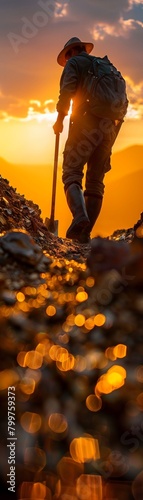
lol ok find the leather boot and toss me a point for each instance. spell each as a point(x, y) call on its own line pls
point(93, 207)
point(76, 203)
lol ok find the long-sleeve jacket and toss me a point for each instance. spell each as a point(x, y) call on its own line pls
point(71, 83)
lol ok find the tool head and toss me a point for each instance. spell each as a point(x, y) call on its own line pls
point(52, 226)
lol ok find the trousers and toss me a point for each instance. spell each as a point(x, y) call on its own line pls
point(90, 142)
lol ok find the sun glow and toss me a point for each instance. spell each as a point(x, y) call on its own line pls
point(30, 139)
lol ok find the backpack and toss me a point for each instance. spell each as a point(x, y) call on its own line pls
point(105, 90)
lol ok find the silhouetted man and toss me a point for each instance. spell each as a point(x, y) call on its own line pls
point(90, 141)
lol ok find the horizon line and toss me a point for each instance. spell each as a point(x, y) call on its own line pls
point(46, 163)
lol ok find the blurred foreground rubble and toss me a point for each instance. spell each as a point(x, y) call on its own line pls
point(72, 348)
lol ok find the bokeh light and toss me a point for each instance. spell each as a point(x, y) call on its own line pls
point(93, 403)
point(139, 374)
point(81, 296)
point(84, 449)
point(90, 281)
point(34, 459)
point(57, 423)
point(79, 320)
point(111, 381)
point(51, 311)
point(27, 385)
point(69, 470)
point(99, 320)
point(120, 350)
point(89, 487)
point(33, 359)
point(20, 296)
point(8, 378)
point(31, 422)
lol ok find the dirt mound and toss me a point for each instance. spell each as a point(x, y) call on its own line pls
point(71, 359)
point(16, 212)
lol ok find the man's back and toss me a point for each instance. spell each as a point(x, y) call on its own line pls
point(97, 81)
point(72, 79)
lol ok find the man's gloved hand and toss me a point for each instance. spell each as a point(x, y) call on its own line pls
point(58, 125)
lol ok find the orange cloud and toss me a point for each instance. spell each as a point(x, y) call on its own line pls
point(120, 28)
point(132, 2)
point(12, 107)
point(60, 10)
point(135, 95)
point(34, 109)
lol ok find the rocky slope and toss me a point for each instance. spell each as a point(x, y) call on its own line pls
point(71, 349)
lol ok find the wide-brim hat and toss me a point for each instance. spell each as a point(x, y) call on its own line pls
point(73, 42)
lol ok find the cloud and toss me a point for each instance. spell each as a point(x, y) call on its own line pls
point(37, 110)
point(134, 2)
point(135, 96)
point(33, 73)
point(15, 14)
point(121, 28)
point(32, 110)
point(106, 11)
point(44, 108)
point(12, 107)
point(61, 10)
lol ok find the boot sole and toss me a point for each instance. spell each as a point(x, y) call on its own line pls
point(76, 227)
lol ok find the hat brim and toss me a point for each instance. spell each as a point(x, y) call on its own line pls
point(61, 59)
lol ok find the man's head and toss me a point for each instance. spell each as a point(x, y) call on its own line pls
point(73, 47)
point(74, 51)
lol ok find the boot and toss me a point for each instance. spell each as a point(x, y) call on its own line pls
point(93, 207)
point(76, 203)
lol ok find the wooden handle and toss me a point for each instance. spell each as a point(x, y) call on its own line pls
point(55, 176)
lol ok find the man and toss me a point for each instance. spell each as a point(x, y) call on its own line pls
point(90, 141)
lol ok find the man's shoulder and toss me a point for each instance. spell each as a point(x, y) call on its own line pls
point(80, 60)
point(83, 56)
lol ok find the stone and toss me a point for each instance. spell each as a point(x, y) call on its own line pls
point(22, 247)
point(105, 254)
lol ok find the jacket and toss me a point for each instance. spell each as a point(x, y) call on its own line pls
point(71, 83)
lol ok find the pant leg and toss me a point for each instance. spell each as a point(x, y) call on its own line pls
point(99, 161)
point(84, 136)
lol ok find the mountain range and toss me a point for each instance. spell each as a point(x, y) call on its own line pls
point(123, 200)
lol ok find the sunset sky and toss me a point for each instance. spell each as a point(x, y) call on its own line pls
point(32, 34)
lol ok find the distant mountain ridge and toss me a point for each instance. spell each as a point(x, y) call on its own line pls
point(131, 158)
point(123, 200)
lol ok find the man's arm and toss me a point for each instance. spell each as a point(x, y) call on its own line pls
point(68, 87)
point(58, 125)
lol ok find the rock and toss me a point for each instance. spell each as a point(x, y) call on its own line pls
point(2, 220)
point(9, 297)
point(139, 222)
point(22, 247)
point(135, 267)
point(105, 254)
point(71, 345)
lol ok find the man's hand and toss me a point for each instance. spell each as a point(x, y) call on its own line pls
point(58, 125)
